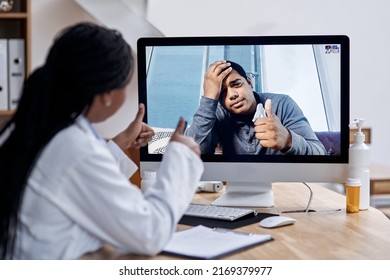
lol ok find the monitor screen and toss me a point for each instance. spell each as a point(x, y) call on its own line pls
point(297, 86)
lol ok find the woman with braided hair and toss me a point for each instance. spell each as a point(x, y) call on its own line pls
point(64, 191)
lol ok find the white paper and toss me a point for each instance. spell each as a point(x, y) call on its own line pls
point(206, 243)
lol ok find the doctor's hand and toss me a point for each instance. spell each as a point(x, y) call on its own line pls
point(137, 134)
point(213, 78)
point(270, 131)
point(179, 136)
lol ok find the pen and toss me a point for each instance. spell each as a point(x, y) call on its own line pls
point(232, 231)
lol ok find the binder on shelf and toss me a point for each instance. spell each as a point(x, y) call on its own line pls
point(3, 75)
point(16, 70)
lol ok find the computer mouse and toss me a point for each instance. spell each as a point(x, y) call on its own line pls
point(276, 221)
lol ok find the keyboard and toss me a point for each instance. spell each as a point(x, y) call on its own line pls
point(217, 212)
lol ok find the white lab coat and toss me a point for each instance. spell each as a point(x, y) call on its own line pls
point(79, 197)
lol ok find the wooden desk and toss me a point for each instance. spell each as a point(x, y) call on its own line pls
point(327, 234)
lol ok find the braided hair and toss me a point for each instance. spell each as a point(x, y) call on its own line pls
point(85, 60)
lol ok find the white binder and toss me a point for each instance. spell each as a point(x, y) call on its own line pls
point(16, 70)
point(3, 75)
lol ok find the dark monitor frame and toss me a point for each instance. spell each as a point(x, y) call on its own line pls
point(343, 40)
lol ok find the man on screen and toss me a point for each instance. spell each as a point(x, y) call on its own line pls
point(225, 118)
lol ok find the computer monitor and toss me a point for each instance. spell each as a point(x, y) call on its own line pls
point(312, 70)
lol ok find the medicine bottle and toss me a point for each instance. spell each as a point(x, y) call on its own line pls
point(352, 193)
point(148, 178)
point(359, 163)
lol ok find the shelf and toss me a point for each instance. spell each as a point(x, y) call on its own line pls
point(13, 15)
point(15, 24)
point(6, 113)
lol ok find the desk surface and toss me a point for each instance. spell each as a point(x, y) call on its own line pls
point(328, 233)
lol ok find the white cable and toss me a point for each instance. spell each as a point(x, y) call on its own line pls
point(310, 198)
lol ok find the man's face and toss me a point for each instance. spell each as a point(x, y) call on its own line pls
point(236, 94)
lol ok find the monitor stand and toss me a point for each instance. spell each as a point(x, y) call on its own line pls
point(246, 194)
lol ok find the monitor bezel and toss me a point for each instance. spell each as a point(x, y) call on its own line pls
point(342, 40)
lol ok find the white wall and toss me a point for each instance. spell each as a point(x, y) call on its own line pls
point(50, 16)
point(365, 22)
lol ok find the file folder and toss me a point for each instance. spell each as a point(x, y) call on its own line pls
point(16, 70)
point(3, 75)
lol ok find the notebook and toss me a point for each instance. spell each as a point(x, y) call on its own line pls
point(202, 242)
point(212, 223)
